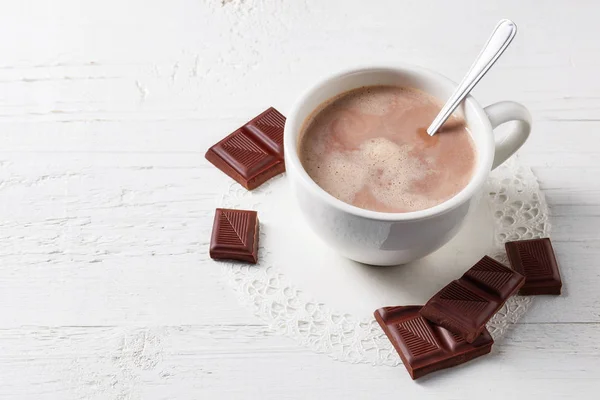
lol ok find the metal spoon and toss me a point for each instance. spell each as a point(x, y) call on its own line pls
point(501, 37)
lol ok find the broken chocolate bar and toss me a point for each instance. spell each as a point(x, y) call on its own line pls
point(425, 347)
point(252, 154)
point(535, 260)
point(235, 235)
point(465, 305)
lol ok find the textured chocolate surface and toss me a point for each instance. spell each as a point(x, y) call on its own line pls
point(253, 153)
point(535, 260)
point(235, 235)
point(425, 347)
point(465, 305)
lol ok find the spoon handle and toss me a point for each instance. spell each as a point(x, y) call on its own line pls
point(501, 37)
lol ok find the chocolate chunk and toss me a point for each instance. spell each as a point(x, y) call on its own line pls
point(425, 347)
point(535, 260)
point(235, 235)
point(465, 305)
point(253, 154)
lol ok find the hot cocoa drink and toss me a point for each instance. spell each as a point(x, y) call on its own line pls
point(369, 147)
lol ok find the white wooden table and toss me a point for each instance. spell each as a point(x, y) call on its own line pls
point(106, 110)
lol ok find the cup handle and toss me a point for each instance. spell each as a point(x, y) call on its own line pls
point(506, 111)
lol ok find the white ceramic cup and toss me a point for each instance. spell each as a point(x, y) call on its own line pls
point(380, 238)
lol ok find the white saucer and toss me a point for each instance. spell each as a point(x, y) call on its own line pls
point(355, 288)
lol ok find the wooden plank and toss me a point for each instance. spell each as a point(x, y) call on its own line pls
point(241, 361)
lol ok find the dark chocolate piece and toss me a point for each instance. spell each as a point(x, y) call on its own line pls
point(425, 347)
point(535, 260)
point(253, 154)
point(235, 235)
point(465, 305)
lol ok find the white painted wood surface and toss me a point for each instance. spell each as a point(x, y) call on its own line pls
point(106, 201)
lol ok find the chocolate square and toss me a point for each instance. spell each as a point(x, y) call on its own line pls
point(425, 347)
point(235, 235)
point(465, 305)
point(535, 260)
point(252, 154)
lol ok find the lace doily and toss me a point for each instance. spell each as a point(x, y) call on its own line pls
point(517, 210)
